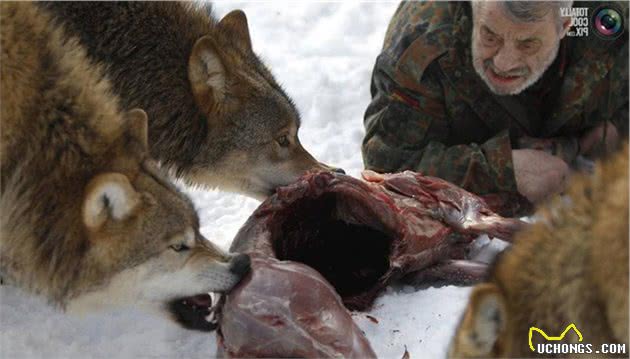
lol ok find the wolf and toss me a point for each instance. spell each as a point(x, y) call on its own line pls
point(86, 217)
point(569, 268)
point(217, 116)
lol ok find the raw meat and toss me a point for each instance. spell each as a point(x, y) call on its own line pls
point(287, 309)
point(360, 234)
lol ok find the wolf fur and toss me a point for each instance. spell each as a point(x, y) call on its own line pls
point(86, 218)
point(569, 267)
point(217, 117)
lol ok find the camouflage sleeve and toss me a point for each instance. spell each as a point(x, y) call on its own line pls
point(618, 93)
point(409, 129)
point(620, 79)
point(621, 121)
point(612, 104)
point(612, 95)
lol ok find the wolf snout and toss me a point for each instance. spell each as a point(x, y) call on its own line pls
point(325, 167)
point(240, 265)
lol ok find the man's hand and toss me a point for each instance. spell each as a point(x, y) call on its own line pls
point(603, 138)
point(538, 174)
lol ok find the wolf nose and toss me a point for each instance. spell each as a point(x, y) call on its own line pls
point(241, 264)
point(339, 170)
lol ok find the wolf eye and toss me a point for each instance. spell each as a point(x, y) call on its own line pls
point(283, 141)
point(179, 247)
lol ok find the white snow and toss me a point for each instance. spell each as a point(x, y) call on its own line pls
point(323, 54)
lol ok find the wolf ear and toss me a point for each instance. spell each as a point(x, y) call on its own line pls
point(138, 124)
point(484, 320)
point(108, 196)
point(207, 74)
point(235, 23)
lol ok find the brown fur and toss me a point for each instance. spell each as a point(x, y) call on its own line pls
point(81, 202)
point(569, 267)
point(217, 116)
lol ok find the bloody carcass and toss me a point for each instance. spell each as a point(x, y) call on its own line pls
point(360, 234)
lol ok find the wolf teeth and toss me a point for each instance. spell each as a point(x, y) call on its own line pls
point(211, 318)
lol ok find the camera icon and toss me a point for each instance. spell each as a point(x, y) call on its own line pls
point(608, 22)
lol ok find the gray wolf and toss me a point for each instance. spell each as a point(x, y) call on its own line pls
point(571, 267)
point(87, 219)
point(217, 116)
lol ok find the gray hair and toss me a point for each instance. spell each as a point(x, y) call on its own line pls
point(534, 11)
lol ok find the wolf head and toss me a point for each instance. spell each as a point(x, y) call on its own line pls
point(492, 328)
point(253, 124)
point(539, 291)
point(482, 332)
point(144, 241)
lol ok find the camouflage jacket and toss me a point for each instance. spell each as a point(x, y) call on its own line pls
point(431, 112)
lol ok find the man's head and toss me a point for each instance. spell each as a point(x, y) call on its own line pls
point(514, 42)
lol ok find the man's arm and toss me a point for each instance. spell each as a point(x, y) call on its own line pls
point(408, 129)
point(606, 137)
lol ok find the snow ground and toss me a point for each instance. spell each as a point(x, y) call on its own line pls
point(323, 54)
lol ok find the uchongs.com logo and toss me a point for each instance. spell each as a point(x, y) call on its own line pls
point(551, 346)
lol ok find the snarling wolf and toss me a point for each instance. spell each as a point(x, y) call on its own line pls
point(86, 217)
point(217, 117)
point(568, 271)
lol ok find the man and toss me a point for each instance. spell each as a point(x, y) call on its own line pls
point(495, 97)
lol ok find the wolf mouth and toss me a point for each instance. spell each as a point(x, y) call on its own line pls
point(195, 312)
point(198, 312)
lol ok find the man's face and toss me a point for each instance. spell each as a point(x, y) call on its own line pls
point(509, 55)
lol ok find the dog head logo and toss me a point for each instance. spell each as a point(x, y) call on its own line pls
point(551, 338)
